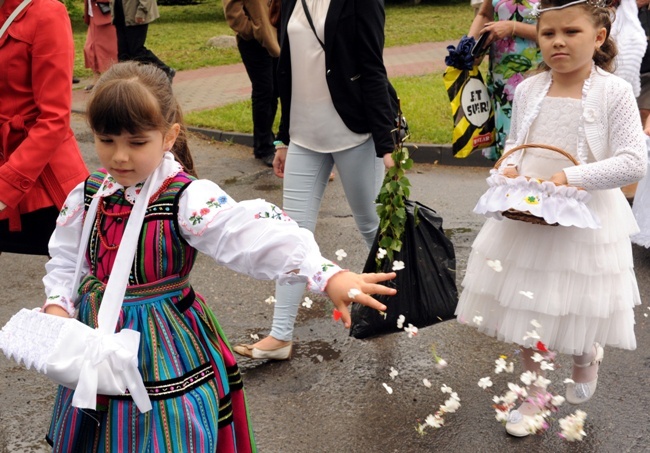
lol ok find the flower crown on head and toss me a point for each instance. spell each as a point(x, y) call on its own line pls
point(595, 3)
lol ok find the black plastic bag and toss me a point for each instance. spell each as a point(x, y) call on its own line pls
point(426, 287)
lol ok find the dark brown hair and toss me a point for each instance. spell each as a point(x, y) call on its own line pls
point(134, 97)
point(600, 17)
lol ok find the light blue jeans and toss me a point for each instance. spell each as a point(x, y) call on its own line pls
point(306, 174)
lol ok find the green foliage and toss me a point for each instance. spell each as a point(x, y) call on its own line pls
point(390, 202)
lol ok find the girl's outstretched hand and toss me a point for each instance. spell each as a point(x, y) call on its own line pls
point(347, 287)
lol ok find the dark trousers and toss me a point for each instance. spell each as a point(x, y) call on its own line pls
point(261, 68)
point(34, 236)
point(131, 39)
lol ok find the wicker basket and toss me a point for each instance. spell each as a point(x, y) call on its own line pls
point(549, 203)
point(527, 216)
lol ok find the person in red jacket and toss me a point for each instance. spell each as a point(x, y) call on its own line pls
point(40, 160)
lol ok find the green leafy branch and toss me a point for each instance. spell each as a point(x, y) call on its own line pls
point(393, 193)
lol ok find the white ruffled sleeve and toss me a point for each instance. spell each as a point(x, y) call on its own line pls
point(253, 237)
point(64, 246)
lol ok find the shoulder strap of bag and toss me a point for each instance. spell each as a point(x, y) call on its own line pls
point(311, 23)
point(15, 13)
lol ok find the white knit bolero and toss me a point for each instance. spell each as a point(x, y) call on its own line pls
point(610, 127)
point(631, 41)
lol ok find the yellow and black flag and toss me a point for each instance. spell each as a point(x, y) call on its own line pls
point(471, 108)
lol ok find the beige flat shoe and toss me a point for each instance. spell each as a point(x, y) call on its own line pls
point(581, 392)
point(247, 350)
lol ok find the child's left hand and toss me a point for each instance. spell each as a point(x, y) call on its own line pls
point(342, 285)
point(559, 178)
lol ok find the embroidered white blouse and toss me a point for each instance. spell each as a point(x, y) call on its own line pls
point(610, 128)
point(253, 237)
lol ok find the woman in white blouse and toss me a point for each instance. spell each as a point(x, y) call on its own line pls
point(341, 110)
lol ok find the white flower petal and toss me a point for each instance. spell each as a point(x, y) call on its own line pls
point(532, 335)
point(485, 382)
point(270, 300)
point(426, 383)
point(340, 254)
point(388, 388)
point(393, 373)
point(400, 321)
point(547, 366)
point(478, 320)
point(537, 357)
point(495, 265)
point(411, 330)
point(398, 265)
point(354, 292)
point(528, 294)
point(307, 302)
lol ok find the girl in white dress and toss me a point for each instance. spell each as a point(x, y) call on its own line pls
point(576, 284)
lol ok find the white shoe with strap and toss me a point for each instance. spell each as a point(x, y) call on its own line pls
point(581, 392)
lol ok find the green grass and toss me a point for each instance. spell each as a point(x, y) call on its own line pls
point(179, 38)
point(427, 23)
point(424, 103)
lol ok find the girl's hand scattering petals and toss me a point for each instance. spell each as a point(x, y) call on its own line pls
point(345, 284)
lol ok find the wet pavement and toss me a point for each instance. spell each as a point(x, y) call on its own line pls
point(330, 397)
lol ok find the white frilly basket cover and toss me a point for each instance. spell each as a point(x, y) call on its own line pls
point(556, 204)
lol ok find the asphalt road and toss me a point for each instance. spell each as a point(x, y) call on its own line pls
point(330, 397)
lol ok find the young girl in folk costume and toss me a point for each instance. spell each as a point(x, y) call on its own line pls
point(183, 351)
point(578, 284)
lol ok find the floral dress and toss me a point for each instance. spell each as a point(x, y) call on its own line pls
point(188, 368)
point(510, 59)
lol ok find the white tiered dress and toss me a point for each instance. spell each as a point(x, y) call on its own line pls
point(641, 208)
point(578, 283)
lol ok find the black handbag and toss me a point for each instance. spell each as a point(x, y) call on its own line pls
point(105, 8)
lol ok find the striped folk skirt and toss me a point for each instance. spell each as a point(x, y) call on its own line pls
point(188, 369)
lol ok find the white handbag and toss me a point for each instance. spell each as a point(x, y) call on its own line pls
point(74, 355)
